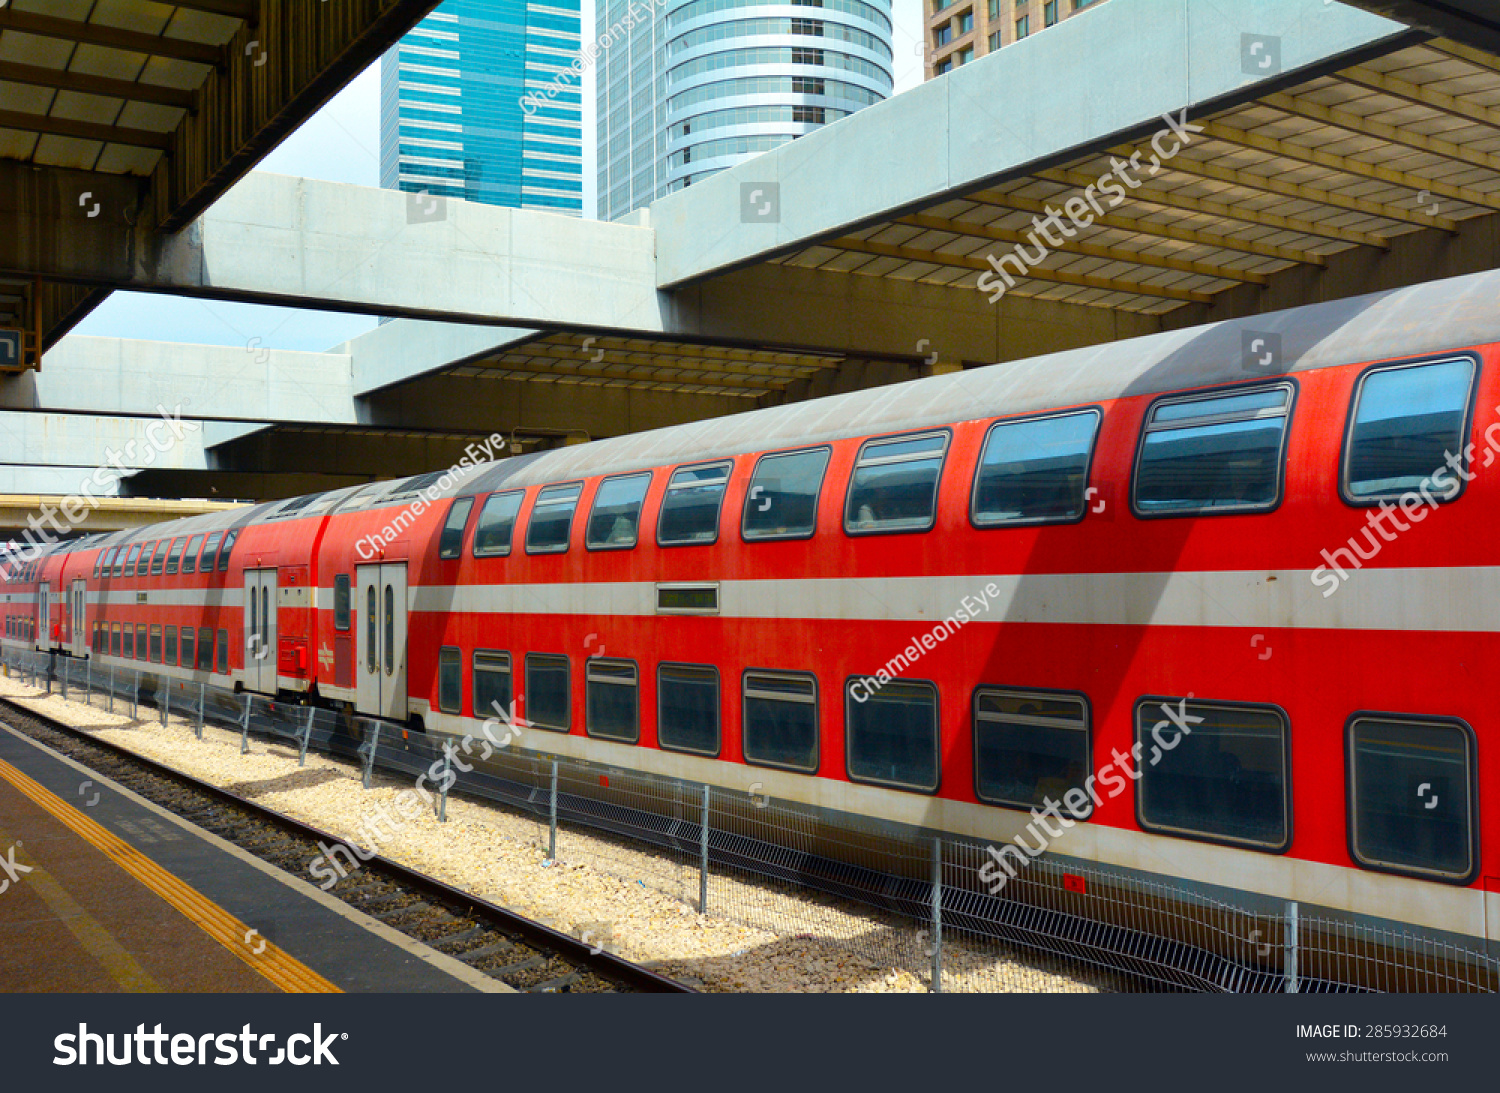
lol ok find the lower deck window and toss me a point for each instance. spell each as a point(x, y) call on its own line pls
point(189, 653)
point(611, 700)
point(1410, 800)
point(140, 642)
point(1214, 771)
point(1030, 747)
point(687, 708)
point(170, 652)
point(492, 688)
point(450, 679)
point(156, 644)
point(781, 720)
point(548, 704)
point(891, 734)
point(205, 643)
point(114, 640)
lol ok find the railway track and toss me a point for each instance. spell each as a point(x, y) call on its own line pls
point(523, 954)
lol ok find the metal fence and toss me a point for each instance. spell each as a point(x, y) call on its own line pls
point(892, 897)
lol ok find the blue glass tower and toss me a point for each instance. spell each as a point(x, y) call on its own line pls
point(460, 113)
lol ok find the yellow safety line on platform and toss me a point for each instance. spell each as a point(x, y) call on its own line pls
point(270, 961)
point(88, 931)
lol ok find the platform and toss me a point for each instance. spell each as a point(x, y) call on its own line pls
point(103, 891)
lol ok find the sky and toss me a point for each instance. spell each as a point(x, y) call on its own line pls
point(341, 143)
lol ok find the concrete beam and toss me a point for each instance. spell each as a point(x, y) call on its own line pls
point(106, 514)
point(300, 242)
point(96, 449)
point(121, 376)
point(964, 131)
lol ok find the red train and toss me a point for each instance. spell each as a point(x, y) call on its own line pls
point(946, 603)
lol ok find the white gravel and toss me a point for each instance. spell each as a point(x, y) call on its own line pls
point(630, 902)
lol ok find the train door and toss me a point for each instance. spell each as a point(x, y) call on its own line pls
point(380, 628)
point(78, 618)
point(260, 630)
point(44, 616)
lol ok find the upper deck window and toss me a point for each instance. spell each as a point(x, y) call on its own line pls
point(894, 486)
point(451, 542)
point(690, 509)
point(552, 519)
point(1035, 470)
point(497, 523)
point(783, 499)
point(1406, 422)
point(1211, 453)
point(614, 521)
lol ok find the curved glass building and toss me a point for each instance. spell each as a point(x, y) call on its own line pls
point(691, 87)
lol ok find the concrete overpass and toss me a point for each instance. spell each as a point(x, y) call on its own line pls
point(1332, 152)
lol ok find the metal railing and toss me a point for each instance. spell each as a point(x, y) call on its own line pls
point(894, 897)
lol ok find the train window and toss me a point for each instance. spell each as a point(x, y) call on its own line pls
point(389, 619)
point(1217, 772)
point(1213, 453)
point(548, 705)
point(210, 552)
point(1031, 746)
point(114, 640)
point(128, 648)
point(224, 551)
point(152, 561)
point(140, 641)
point(372, 642)
point(1405, 422)
point(341, 601)
point(128, 566)
point(614, 521)
point(1411, 800)
point(783, 499)
point(175, 558)
point(451, 542)
point(169, 645)
point(611, 699)
point(450, 679)
point(492, 688)
point(781, 720)
point(190, 557)
point(497, 523)
point(894, 486)
point(552, 519)
point(223, 650)
point(189, 648)
point(891, 734)
point(1034, 470)
point(155, 644)
point(690, 509)
point(687, 708)
point(106, 560)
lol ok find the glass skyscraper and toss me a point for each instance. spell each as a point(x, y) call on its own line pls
point(479, 102)
point(690, 87)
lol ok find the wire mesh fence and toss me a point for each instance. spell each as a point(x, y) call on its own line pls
point(952, 913)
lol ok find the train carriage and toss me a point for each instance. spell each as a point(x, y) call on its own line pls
point(1205, 612)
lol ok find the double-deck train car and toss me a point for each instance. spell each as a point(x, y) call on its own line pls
point(1226, 600)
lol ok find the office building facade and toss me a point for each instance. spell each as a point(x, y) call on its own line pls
point(479, 102)
point(687, 88)
point(960, 30)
